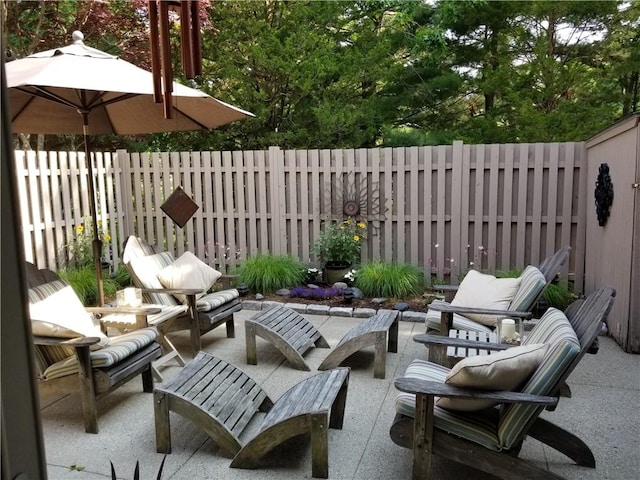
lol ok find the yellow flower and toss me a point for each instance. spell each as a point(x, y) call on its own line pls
point(362, 225)
point(107, 237)
point(356, 238)
point(80, 228)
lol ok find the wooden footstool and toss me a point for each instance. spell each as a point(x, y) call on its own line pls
point(221, 400)
point(286, 330)
point(380, 330)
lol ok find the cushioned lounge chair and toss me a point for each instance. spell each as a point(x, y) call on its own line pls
point(482, 300)
point(490, 439)
point(205, 312)
point(69, 341)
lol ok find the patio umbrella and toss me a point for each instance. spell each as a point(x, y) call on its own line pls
point(81, 90)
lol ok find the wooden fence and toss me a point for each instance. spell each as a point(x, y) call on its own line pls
point(445, 209)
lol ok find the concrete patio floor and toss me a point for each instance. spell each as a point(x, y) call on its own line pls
point(603, 412)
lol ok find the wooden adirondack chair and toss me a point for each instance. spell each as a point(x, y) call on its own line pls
point(204, 314)
point(490, 439)
point(444, 316)
point(100, 370)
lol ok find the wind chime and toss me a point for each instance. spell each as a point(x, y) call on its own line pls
point(179, 206)
point(190, 46)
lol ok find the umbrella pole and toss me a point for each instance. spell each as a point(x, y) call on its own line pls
point(97, 242)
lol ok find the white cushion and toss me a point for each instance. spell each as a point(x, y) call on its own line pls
point(61, 314)
point(188, 271)
point(480, 290)
point(505, 370)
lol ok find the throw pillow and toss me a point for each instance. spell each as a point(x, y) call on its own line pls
point(506, 370)
point(188, 271)
point(480, 290)
point(61, 314)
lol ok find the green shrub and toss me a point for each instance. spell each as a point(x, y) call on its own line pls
point(268, 273)
point(558, 295)
point(122, 277)
point(84, 283)
point(395, 280)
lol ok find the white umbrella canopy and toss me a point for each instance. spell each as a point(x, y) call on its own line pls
point(49, 91)
point(81, 90)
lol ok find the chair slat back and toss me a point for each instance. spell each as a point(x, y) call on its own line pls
point(564, 354)
point(552, 266)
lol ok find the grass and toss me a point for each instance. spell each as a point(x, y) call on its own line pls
point(558, 295)
point(267, 273)
point(395, 280)
point(84, 283)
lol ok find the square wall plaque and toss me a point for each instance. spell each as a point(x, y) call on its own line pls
point(179, 207)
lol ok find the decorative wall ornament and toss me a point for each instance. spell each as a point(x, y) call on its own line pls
point(603, 194)
point(179, 207)
point(353, 198)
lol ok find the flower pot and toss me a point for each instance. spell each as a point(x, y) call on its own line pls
point(335, 273)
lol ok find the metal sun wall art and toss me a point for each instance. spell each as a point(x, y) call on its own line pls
point(357, 199)
point(603, 194)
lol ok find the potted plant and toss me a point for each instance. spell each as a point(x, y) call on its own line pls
point(338, 247)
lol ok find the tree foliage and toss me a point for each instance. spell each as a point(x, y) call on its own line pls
point(358, 73)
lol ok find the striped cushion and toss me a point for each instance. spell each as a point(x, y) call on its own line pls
point(423, 370)
point(215, 299)
point(563, 349)
point(47, 355)
point(118, 349)
point(551, 327)
point(459, 323)
point(145, 272)
point(532, 283)
point(478, 427)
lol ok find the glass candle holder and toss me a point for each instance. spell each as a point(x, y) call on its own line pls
point(129, 297)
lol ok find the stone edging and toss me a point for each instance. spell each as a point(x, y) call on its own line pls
point(312, 309)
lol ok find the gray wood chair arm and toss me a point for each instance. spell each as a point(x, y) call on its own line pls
point(430, 339)
point(66, 342)
point(446, 288)
point(438, 389)
point(173, 291)
point(440, 306)
point(132, 310)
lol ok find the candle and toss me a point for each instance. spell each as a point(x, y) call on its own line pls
point(131, 297)
point(508, 328)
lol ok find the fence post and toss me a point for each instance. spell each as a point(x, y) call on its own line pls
point(458, 189)
point(123, 177)
point(277, 200)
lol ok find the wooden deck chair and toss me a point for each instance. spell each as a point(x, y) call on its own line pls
point(489, 437)
point(68, 340)
point(480, 300)
point(186, 280)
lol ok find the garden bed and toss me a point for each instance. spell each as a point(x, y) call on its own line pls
point(416, 304)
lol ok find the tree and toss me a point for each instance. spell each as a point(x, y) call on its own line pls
point(314, 73)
